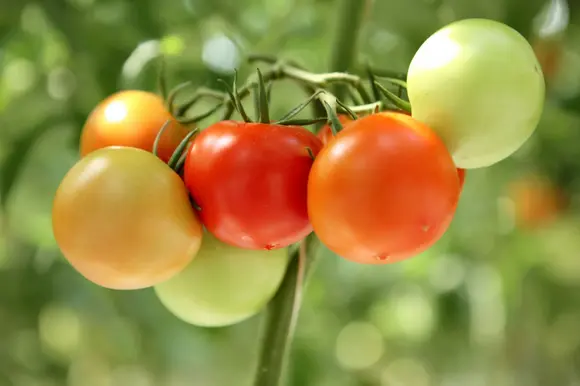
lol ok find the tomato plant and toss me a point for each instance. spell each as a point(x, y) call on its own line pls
point(131, 118)
point(250, 181)
point(223, 285)
point(383, 190)
point(478, 84)
point(123, 219)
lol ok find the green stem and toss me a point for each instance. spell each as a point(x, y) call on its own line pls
point(283, 309)
point(348, 25)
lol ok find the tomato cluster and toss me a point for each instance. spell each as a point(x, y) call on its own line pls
point(210, 228)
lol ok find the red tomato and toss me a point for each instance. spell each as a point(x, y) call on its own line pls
point(325, 133)
point(131, 118)
point(250, 180)
point(461, 174)
point(382, 191)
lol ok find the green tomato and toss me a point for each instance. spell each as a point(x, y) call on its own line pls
point(223, 285)
point(478, 84)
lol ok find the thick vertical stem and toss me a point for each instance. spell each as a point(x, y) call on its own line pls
point(280, 320)
point(348, 25)
point(282, 312)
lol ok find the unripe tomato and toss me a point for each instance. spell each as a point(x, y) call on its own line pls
point(131, 118)
point(250, 181)
point(478, 84)
point(123, 219)
point(382, 191)
point(223, 285)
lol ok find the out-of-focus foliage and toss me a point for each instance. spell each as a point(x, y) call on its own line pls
point(495, 302)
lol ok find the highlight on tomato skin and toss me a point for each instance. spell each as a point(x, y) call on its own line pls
point(223, 285)
point(131, 118)
point(123, 219)
point(250, 180)
point(372, 203)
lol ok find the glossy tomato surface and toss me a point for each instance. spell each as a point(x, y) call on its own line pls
point(123, 219)
point(382, 191)
point(223, 285)
point(478, 84)
point(250, 180)
point(131, 118)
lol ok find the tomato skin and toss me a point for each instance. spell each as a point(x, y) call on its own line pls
point(478, 84)
point(461, 175)
point(250, 181)
point(123, 219)
point(223, 285)
point(131, 118)
point(382, 191)
point(325, 133)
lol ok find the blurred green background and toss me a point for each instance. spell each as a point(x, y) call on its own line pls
point(495, 302)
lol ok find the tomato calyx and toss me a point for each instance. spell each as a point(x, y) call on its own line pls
point(177, 159)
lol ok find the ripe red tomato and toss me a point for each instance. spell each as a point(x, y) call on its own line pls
point(131, 118)
point(325, 133)
point(382, 191)
point(123, 219)
point(461, 174)
point(250, 181)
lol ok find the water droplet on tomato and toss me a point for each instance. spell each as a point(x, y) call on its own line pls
point(382, 257)
point(425, 228)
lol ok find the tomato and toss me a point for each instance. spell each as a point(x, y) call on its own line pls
point(382, 191)
point(223, 285)
point(537, 202)
point(461, 174)
point(131, 118)
point(325, 133)
point(123, 219)
point(250, 181)
point(549, 53)
point(478, 84)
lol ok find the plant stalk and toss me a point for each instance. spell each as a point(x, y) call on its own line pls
point(283, 309)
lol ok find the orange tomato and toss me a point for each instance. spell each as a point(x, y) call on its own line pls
point(123, 219)
point(537, 202)
point(382, 191)
point(131, 118)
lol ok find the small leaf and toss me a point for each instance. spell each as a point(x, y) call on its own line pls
point(158, 137)
point(292, 113)
point(350, 113)
point(234, 99)
point(372, 80)
point(201, 116)
point(180, 149)
point(302, 122)
point(162, 78)
point(170, 103)
point(335, 125)
point(263, 99)
point(398, 82)
point(400, 103)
